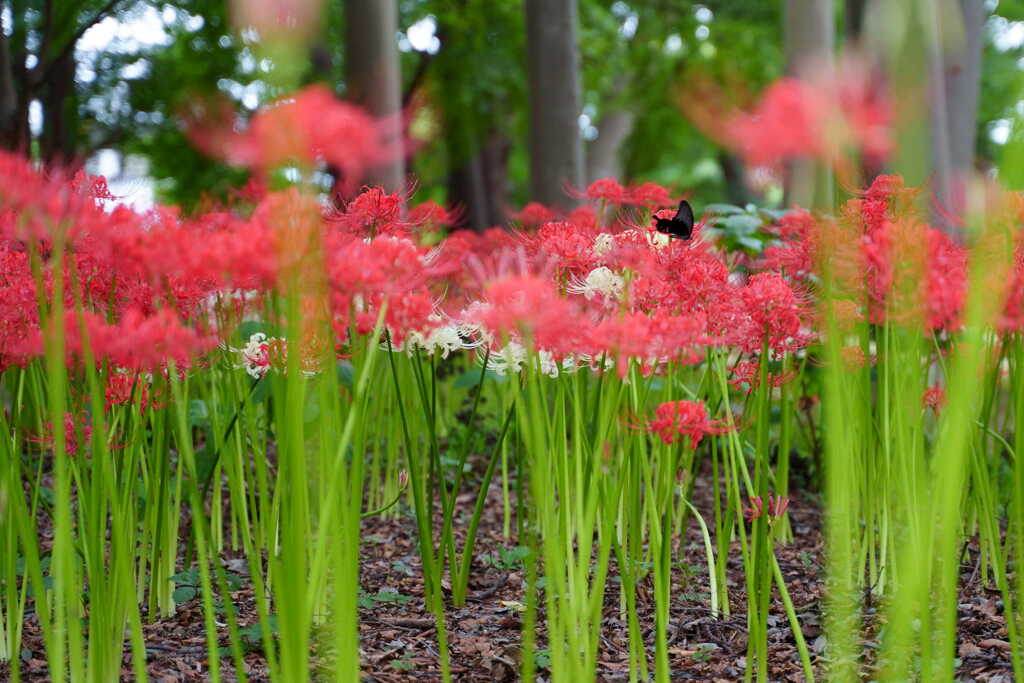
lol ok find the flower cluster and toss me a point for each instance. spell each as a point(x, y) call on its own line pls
point(596, 288)
point(886, 263)
point(823, 116)
point(676, 419)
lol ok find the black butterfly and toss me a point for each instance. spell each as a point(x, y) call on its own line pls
point(681, 225)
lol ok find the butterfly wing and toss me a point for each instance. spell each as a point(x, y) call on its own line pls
point(681, 225)
point(685, 215)
point(683, 221)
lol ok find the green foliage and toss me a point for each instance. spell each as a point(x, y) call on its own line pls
point(509, 559)
point(382, 597)
point(647, 58)
point(742, 229)
point(187, 584)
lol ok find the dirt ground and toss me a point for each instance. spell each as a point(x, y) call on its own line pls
point(399, 639)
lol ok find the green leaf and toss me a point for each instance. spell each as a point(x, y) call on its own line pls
point(311, 411)
point(198, 413)
point(471, 377)
point(751, 243)
point(187, 576)
point(655, 383)
point(206, 460)
point(774, 214)
point(249, 328)
point(511, 558)
point(741, 224)
point(184, 594)
point(346, 374)
point(391, 597)
point(260, 394)
point(722, 209)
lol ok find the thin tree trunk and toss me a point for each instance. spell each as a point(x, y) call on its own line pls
point(938, 132)
point(58, 144)
point(17, 47)
point(9, 125)
point(853, 25)
point(494, 158)
point(467, 190)
point(478, 185)
point(810, 44)
point(373, 77)
point(960, 82)
point(963, 80)
point(855, 12)
point(737, 190)
point(552, 68)
point(604, 155)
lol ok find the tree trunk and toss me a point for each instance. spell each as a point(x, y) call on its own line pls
point(478, 185)
point(960, 81)
point(467, 191)
point(809, 34)
point(853, 23)
point(58, 144)
point(737, 190)
point(552, 68)
point(604, 155)
point(373, 78)
point(862, 39)
point(494, 158)
point(9, 125)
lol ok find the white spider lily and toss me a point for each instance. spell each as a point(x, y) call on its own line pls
point(601, 280)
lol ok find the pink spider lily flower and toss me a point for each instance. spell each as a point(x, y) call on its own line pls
point(775, 508)
point(675, 419)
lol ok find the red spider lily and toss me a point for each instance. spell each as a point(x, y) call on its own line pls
point(934, 398)
point(875, 254)
point(774, 510)
point(651, 339)
point(73, 425)
point(773, 313)
point(583, 217)
point(1012, 318)
point(533, 215)
point(91, 186)
point(120, 386)
point(311, 125)
point(680, 277)
point(362, 276)
point(19, 313)
point(375, 212)
point(254, 190)
point(431, 216)
point(820, 118)
point(569, 244)
point(795, 256)
point(608, 190)
point(650, 195)
point(749, 373)
point(374, 207)
point(784, 125)
point(905, 282)
point(854, 358)
point(531, 307)
point(137, 341)
point(945, 286)
point(676, 419)
point(287, 20)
